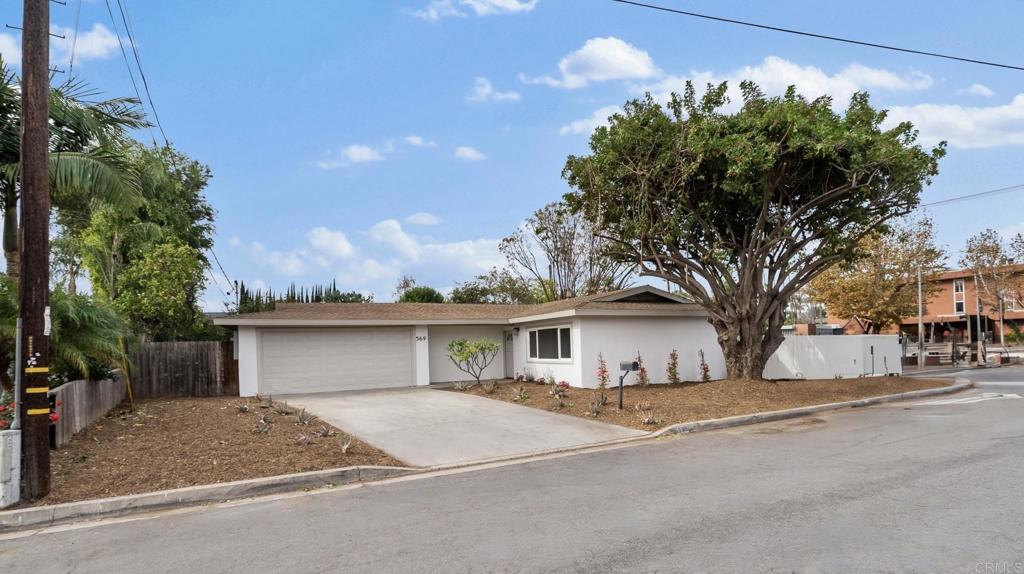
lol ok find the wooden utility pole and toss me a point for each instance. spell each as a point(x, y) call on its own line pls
point(34, 291)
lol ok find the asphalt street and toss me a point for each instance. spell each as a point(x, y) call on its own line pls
point(935, 485)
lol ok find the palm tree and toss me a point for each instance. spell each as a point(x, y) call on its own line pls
point(87, 161)
point(84, 333)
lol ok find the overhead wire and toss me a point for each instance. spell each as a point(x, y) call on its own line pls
point(816, 35)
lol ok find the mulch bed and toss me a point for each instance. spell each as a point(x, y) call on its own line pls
point(173, 443)
point(687, 402)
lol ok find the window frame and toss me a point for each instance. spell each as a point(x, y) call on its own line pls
point(960, 296)
point(533, 341)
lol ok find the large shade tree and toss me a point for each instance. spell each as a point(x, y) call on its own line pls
point(879, 286)
point(740, 210)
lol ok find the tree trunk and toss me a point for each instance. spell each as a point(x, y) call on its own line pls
point(748, 342)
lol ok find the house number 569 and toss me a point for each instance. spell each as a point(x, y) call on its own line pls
point(421, 337)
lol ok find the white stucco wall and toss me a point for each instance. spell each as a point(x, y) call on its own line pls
point(248, 361)
point(619, 339)
point(441, 368)
point(421, 355)
point(828, 356)
point(561, 370)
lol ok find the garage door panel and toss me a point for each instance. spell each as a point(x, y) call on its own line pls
point(335, 360)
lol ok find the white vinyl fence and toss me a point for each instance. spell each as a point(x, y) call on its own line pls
point(830, 356)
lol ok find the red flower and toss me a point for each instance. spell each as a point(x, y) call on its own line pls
point(4, 423)
point(59, 403)
point(2, 408)
point(54, 417)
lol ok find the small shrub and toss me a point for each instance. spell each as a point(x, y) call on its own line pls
point(559, 390)
point(703, 368)
point(304, 440)
point(7, 407)
point(346, 443)
point(645, 412)
point(265, 424)
point(603, 378)
point(489, 386)
point(325, 431)
point(597, 405)
point(304, 417)
point(519, 379)
point(265, 402)
point(282, 408)
point(672, 371)
point(641, 374)
point(521, 396)
point(549, 379)
point(529, 377)
point(241, 407)
point(461, 386)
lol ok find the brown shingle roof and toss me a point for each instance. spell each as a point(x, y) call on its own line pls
point(408, 312)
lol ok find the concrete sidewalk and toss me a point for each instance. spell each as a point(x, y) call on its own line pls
point(431, 427)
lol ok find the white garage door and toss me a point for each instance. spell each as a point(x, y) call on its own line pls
point(324, 360)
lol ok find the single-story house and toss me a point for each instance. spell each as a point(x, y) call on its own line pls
point(323, 347)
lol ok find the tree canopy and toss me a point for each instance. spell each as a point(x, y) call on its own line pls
point(740, 210)
point(879, 285)
point(421, 294)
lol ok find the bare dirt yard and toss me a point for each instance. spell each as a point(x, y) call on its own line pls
point(173, 443)
point(662, 405)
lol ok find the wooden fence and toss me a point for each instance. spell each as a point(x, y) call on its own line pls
point(81, 403)
point(184, 369)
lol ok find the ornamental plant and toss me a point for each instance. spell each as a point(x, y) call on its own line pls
point(641, 374)
point(473, 357)
point(7, 407)
point(672, 372)
point(703, 368)
point(602, 373)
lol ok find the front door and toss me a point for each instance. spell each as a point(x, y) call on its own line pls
point(509, 362)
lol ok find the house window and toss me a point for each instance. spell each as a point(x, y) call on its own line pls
point(958, 296)
point(551, 343)
point(1012, 304)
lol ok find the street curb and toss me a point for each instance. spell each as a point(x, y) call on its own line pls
point(712, 424)
point(42, 516)
point(192, 495)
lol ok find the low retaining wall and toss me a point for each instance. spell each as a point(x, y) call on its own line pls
point(82, 402)
point(835, 356)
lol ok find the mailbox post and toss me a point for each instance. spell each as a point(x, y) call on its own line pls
point(626, 367)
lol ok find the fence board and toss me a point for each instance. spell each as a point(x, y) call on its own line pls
point(182, 369)
point(81, 403)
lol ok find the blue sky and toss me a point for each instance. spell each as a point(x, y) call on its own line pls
point(366, 140)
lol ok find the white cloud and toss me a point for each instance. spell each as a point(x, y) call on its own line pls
point(965, 126)
point(774, 75)
point(469, 256)
point(369, 272)
point(600, 60)
point(389, 232)
point(358, 153)
point(418, 141)
point(483, 91)
point(468, 153)
point(10, 49)
point(589, 124)
point(439, 9)
point(353, 154)
point(98, 43)
point(286, 263)
point(423, 218)
point(330, 242)
point(977, 90)
point(491, 7)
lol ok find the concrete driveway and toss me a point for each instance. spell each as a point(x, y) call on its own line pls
point(430, 427)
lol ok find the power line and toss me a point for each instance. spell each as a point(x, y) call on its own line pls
point(819, 36)
point(74, 40)
point(974, 195)
point(215, 258)
point(145, 83)
point(124, 55)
